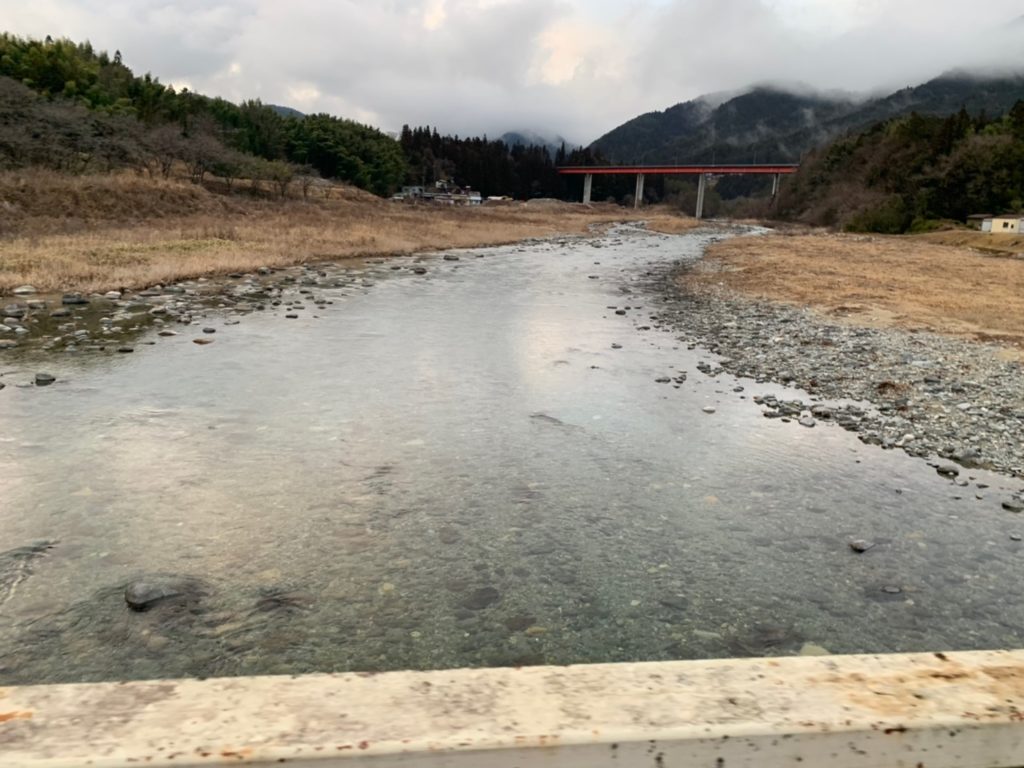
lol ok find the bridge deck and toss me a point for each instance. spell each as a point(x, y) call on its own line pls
point(629, 170)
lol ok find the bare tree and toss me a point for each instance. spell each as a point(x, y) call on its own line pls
point(307, 178)
point(163, 145)
point(280, 173)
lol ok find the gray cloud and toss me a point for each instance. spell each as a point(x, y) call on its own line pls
point(486, 66)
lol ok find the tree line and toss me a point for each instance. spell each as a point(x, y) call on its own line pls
point(912, 173)
point(114, 117)
point(495, 168)
point(70, 107)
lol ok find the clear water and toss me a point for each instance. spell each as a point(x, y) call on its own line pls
point(458, 469)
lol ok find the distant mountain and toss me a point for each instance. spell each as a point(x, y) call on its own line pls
point(526, 138)
point(286, 111)
point(775, 124)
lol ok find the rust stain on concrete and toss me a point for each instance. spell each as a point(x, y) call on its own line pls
point(8, 716)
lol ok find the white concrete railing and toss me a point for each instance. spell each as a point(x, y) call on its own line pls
point(961, 710)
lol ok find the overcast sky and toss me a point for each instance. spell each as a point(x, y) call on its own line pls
point(574, 67)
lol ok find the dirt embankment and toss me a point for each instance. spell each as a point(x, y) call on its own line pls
point(95, 233)
point(904, 282)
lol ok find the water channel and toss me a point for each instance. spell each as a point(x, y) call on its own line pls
point(472, 466)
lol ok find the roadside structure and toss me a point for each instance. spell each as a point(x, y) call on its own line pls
point(1007, 224)
point(977, 220)
point(442, 193)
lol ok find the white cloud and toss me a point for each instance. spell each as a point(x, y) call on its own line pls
point(578, 67)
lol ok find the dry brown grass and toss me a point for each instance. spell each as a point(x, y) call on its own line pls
point(670, 223)
point(93, 234)
point(906, 282)
point(982, 241)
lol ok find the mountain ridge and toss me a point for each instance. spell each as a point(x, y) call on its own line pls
point(775, 123)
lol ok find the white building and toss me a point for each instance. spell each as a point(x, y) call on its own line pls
point(1005, 225)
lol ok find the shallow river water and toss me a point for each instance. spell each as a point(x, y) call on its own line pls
point(474, 466)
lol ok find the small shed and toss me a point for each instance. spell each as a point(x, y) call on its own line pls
point(1007, 224)
point(977, 220)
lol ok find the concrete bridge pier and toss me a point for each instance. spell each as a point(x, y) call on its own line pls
point(588, 186)
point(638, 196)
point(701, 187)
point(775, 185)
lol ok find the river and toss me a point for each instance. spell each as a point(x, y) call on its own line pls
point(472, 466)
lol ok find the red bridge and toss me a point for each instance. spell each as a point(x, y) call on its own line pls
point(640, 171)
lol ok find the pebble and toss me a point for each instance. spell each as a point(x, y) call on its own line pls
point(202, 341)
point(24, 290)
point(45, 379)
point(948, 470)
point(209, 330)
point(708, 409)
point(1013, 505)
point(807, 421)
point(480, 598)
point(861, 545)
point(74, 299)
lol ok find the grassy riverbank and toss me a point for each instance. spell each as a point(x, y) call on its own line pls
point(95, 233)
point(905, 282)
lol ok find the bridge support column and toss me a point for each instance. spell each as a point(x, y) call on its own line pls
point(701, 187)
point(775, 185)
point(638, 197)
point(588, 185)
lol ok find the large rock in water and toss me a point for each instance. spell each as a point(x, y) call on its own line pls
point(142, 594)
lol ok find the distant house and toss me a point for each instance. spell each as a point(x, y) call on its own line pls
point(977, 220)
point(442, 193)
point(1007, 225)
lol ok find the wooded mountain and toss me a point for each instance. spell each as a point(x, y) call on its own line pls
point(534, 138)
point(912, 172)
point(773, 124)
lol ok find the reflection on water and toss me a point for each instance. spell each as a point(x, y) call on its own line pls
point(460, 469)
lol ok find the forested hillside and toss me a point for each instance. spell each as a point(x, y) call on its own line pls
point(775, 125)
point(67, 106)
point(491, 166)
point(907, 173)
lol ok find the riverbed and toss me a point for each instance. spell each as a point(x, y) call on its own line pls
point(486, 458)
